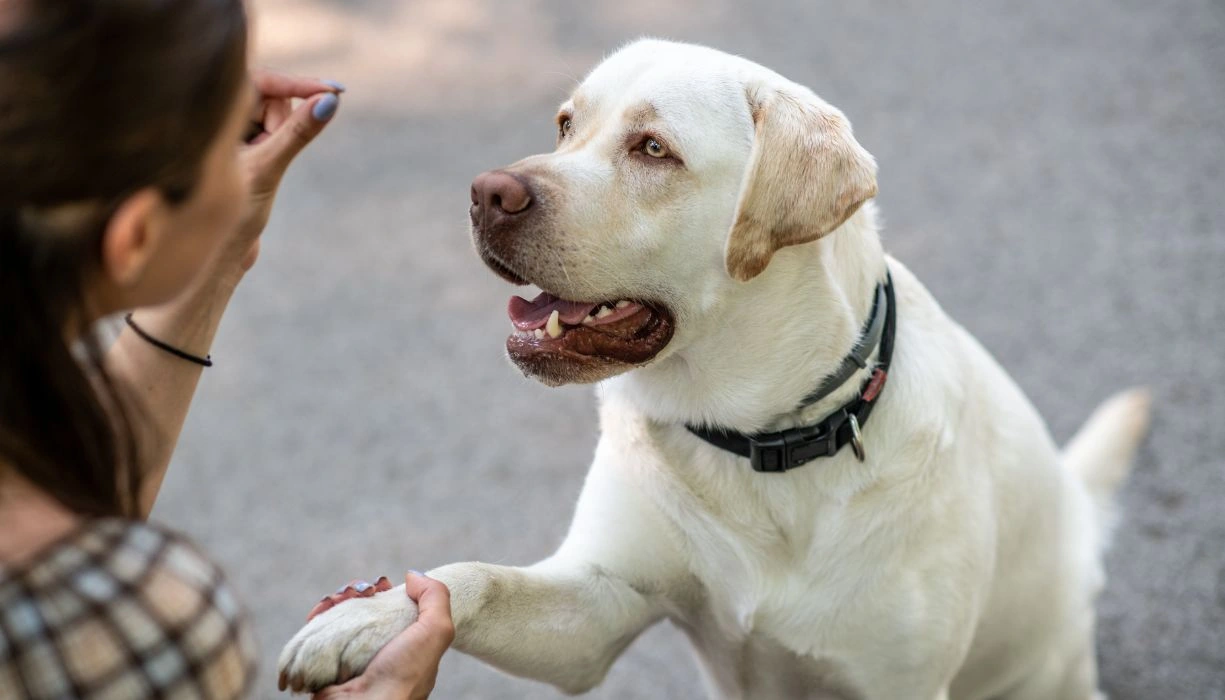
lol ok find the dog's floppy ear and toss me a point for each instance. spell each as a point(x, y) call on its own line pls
point(806, 175)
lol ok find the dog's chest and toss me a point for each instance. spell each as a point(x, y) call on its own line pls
point(760, 543)
point(786, 569)
point(772, 621)
point(779, 568)
point(769, 581)
point(759, 639)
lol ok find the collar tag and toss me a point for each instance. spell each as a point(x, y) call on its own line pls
point(857, 439)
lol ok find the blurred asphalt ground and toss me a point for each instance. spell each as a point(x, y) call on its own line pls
point(1052, 170)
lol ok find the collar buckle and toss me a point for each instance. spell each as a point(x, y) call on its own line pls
point(795, 447)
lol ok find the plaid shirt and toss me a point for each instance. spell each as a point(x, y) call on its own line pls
point(121, 610)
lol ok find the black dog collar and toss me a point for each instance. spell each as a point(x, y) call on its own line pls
point(788, 449)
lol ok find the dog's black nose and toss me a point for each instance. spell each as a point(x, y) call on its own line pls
point(497, 194)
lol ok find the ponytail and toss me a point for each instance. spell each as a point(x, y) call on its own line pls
point(98, 100)
point(63, 423)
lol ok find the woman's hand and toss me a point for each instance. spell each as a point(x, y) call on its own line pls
point(406, 668)
point(279, 133)
point(165, 384)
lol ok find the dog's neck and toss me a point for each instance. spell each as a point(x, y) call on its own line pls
point(772, 341)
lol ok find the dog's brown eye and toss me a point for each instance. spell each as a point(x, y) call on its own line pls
point(655, 149)
point(564, 127)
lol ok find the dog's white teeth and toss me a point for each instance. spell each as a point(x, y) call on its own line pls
point(554, 325)
point(622, 304)
point(604, 311)
point(539, 334)
point(589, 320)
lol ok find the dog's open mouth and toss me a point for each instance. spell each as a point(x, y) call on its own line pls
point(559, 341)
point(623, 332)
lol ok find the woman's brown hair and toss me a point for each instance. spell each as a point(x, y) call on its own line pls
point(98, 100)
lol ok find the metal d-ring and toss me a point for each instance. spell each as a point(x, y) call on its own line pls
point(856, 438)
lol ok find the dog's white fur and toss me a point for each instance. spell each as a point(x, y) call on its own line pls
point(961, 560)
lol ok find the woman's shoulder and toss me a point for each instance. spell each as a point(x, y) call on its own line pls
point(122, 609)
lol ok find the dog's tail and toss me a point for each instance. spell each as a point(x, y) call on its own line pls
point(1101, 452)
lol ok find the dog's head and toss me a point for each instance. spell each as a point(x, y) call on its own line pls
point(679, 172)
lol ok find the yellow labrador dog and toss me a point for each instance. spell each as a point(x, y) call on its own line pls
point(804, 464)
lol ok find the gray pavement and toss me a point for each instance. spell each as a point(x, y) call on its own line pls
point(1052, 170)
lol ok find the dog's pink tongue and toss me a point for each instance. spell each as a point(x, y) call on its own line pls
point(530, 315)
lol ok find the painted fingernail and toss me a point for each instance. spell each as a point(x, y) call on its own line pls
point(325, 108)
point(340, 87)
point(362, 587)
point(415, 572)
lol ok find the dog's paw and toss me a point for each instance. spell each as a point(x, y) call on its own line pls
point(339, 643)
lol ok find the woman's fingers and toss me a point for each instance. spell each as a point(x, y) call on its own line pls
point(433, 609)
point(276, 111)
point(281, 130)
point(270, 84)
point(353, 589)
point(268, 116)
point(273, 153)
point(346, 690)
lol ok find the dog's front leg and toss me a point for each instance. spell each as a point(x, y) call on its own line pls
point(560, 622)
point(565, 620)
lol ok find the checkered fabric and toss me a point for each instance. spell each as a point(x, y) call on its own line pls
point(121, 610)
